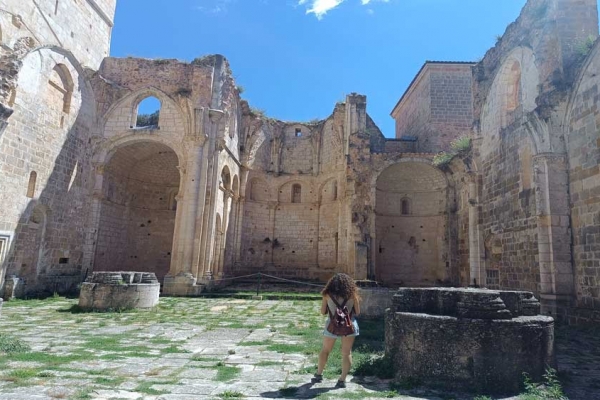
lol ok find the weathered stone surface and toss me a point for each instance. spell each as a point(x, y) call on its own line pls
point(467, 339)
point(374, 301)
point(213, 188)
point(119, 291)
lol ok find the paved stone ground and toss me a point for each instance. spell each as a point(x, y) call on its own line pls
point(193, 349)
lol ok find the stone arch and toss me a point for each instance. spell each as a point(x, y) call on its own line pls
point(33, 240)
point(146, 119)
point(235, 187)
point(512, 95)
point(329, 191)
point(302, 189)
point(62, 81)
point(258, 190)
point(113, 124)
point(226, 178)
point(137, 188)
point(411, 248)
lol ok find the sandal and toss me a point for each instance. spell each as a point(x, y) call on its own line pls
point(317, 378)
point(340, 384)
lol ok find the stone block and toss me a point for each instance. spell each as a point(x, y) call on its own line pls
point(432, 338)
point(105, 291)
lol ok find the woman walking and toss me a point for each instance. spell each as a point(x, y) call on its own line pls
point(340, 303)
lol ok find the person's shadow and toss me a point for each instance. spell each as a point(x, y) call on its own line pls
point(305, 391)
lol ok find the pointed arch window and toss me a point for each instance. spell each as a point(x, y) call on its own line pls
point(61, 88)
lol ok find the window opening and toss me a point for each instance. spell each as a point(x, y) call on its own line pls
point(405, 207)
point(31, 184)
point(296, 193)
point(148, 113)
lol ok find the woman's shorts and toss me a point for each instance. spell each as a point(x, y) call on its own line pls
point(328, 334)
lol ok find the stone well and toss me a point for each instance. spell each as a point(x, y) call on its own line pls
point(119, 291)
point(374, 301)
point(468, 339)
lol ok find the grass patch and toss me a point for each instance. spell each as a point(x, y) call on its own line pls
point(173, 349)
point(47, 358)
point(21, 376)
point(146, 388)
point(228, 394)
point(106, 381)
point(205, 359)
point(226, 373)
point(550, 390)
point(11, 346)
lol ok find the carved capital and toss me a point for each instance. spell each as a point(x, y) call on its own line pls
point(215, 115)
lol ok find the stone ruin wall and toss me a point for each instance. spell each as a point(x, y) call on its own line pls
point(110, 196)
point(294, 200)
point(525, 89)
point(438, 106)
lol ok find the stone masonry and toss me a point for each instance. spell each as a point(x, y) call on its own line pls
point(217, 189)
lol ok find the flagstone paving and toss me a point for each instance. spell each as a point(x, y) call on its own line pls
point(184, 349)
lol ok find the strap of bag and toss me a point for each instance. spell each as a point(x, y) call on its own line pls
point(338, 306)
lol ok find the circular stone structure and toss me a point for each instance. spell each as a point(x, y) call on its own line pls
point(468, 339)
point(104, 291)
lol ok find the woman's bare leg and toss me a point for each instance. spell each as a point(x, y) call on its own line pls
point(347, 343)
point(324, 354)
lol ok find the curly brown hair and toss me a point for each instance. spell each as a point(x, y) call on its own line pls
point(341, 285)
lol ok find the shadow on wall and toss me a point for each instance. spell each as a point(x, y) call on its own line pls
point(46, 254)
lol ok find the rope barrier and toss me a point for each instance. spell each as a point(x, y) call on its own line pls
point(291, 280)
point(259, 275)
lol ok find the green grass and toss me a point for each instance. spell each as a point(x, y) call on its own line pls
point(227, 373)
point(173, 349)
point(106, 381)
point(228, 394)
point(21, 376)
point(11, 346)
point(146, 388)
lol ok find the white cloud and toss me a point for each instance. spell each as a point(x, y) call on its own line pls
point(322, 7)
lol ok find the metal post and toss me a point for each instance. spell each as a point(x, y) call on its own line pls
point(258, 286)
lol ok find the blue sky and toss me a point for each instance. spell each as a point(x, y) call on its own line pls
point(297, 58)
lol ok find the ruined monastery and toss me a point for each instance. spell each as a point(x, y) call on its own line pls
point(215, 189)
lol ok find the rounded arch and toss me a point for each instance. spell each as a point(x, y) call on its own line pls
point(257, 190)
point(226, 178)
point(136, 192)
point(235, 187)
point(294, 191)
point(103, 154)
point(399, 176)
point(411, 244)
point(328, 190)
point(65, 70)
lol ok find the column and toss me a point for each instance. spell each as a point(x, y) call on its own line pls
point(554, 232)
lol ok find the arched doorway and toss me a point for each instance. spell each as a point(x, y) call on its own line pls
point(411, 244)
point(137, 215)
